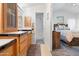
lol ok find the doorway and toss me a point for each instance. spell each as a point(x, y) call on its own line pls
point(39, 28)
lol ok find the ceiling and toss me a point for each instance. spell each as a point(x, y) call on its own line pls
point(68, 7)
point(35, 4)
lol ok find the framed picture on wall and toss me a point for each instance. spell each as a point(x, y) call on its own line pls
point(60, 19)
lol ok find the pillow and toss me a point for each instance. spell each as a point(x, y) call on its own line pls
point(66, 28)
point(61, 27)
point(56, 28)
point(69, 36)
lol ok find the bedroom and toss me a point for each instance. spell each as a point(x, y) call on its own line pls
point(66, 29)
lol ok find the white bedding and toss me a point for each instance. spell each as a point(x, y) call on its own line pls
point(66, 35)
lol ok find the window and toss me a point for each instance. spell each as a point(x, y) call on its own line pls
point(71, 23)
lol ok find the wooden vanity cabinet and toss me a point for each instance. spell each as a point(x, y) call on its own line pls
point(29, 39)
point(9, 51)
point(8, 17)
point(25, 43)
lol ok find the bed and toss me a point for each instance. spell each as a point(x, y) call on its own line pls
point(69, 37)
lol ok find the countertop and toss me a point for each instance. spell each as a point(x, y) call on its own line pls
point(5, 43)
point(25, 29)
point(13, 33)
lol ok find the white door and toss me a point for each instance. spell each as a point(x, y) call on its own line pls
point(39, 26)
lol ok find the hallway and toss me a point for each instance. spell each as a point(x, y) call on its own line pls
point(39, 50)
point(40, 41)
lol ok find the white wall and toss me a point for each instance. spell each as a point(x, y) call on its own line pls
point(48, 27)
point(30, 11)
point(21, 21)
point(67, 16)
point(47, 22)
point(77, 22)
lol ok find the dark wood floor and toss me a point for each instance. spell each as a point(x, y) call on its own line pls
point(34, 50)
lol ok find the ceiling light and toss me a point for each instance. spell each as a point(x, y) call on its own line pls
point(75, 4)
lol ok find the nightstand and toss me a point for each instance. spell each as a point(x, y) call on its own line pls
point(55, 40)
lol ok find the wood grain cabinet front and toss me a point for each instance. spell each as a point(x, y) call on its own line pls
point(8, 17)
point(25, 43)
point(56, 40)
point(9, 51)
point(30, 39)
point(28, 22)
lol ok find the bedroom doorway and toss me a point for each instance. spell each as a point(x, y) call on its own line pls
point(39, 27)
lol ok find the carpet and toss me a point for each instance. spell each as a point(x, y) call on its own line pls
point(66, 51)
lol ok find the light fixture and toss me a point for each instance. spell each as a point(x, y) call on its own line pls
point(75, 4)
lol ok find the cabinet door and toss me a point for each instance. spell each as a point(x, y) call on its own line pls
point(29, 39)
point(28, 22)
point(10, 17)
point(1, 17)
point(9, 51)
point(23, 45)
